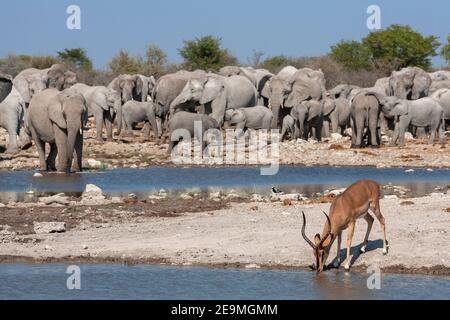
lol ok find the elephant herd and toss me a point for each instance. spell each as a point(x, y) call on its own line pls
point(48, 106)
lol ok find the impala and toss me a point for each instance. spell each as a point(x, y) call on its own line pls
point(352, 204)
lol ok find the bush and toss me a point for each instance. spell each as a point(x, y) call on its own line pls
point(123, 63)
point(75, 58)
point(445, 51)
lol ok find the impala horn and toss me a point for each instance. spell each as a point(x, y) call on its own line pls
point(303, 232)
point(328, 232)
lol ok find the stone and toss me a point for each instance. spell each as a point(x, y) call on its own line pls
point(214, 195)
point(59, 198)
point(290, 196)
point(85, 247)
point(337, 192)
point(409, 170)
point(92, 190)
point(37, 175)
point(336, 136)
point(2, 205)
point(409, 136)
point(252, 266)
point(49, 227)
point(390, 196)
point(186, 196)
point(256, 198)
point(93, 164)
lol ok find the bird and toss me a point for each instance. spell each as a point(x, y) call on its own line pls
point(276, 190)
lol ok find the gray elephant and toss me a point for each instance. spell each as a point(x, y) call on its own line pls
point(259, 77)
point(194, 123)
point(308, 116)
point(337, 113)
point(424, 112)
point(365, 115)
point(343, 91)
point(135, 111)
point(58, 117)
point(169, 86)
point(409, 83)
point(258, 117)
point(383, 85)
point(5, 85)
point(217, 94)
point(443, 97)
point(102, 103)
point(440, 80)
point(288, 128)
point(11, 118)
point(133, 87)
point(31, 81)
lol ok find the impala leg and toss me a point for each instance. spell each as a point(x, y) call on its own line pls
point(337, 260)
point(351, 229)
point(380, 218)
point(369, 220)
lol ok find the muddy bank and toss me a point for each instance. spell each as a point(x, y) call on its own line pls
point(141, 152)
point(229, 234)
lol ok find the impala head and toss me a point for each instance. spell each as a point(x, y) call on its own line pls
point(320, 250)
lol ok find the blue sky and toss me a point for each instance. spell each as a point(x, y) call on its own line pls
point(300, 28)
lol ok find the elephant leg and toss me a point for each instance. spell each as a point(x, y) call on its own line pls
point(12, 146)
point(326, 128)
point(394, 136)
point(359, 128)
point(373, 127)
point(51, 159)
point(108, 124)
point(146, 129)
point(353, 126)
point(78, 153)
point(334, 124)
point(40, 146)
point(99, 126)
point(401, 136)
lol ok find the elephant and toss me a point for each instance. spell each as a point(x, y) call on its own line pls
point(343, 91)
point(5, 85)
point(337, 113)
point(136, 111)
point(11, 118)
point(440, 75)
point(383, 85)
point(410, 83)
point(217, 94)
point(288, 127)
point(443, 97)
point(102, 103)
point(259, 77)
point(258, 117)
point(438, 85)
point(365, 114)
point(308, 116)
point(169, 86)
point(133, 87)
point(31, 81)
point(58, 117)
point(187, 121)
point(423, 112)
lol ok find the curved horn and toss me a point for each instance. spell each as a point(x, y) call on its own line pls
point(328, 232)
point(303, 232)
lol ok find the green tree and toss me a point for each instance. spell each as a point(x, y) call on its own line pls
point(76, 57)
point(445, 51)
point(275, 63)
point(155, 61)
point(206, 53)
point(123, 63)
point(353, 55)
point(401, 45)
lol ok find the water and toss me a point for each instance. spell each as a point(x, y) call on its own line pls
point(305, 180)
point(19, 281)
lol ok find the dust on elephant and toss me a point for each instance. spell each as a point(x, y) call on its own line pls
point(11, 118)
point(217, 94)
point(5, 85)
point(32, 81)
point(58, 117)
point(258, 117)
point(409, 83)
point(102, 103)
point(135, 111)
point(365, 115)
point(424, 112)
point(308, 116)
point(194, 124)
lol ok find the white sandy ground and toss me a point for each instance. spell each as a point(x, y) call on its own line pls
point(418, 234)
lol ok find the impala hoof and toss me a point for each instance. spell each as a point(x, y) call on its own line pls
point(347, 267)
point(362, 249)
point(385, 251)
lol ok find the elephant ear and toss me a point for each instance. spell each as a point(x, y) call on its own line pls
point(55, 111)
point(211, 91)
point(291, 100)
point(315, 109)
point(115, 84)
point(264, 86)
point(399, 109)
point(21, 85)
point(139, 85)
point(328, 106)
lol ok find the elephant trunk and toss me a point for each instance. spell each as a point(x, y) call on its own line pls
point(275, 112)
point(73, 130)
point(119, 119)
point(154, 125)
point(301, 126)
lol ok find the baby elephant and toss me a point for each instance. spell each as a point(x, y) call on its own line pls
point(258, 117)
point(195, 124)
point(424, 112)
point(288, 127)
point(135, 111)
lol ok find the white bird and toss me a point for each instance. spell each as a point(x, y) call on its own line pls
point(276, 190)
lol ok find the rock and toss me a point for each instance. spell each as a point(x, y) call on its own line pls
point(252, 266)
point(285, 213)
point(6, 230)
point(186, 196)
point(132, 196)
point(49, 227)
point(256, 198)
point(436, 194)
point(2, 205)
point(390, 196)
point(287, 202)
point(337, 192)
point(409, 170)
point(232, 196)
point(92, 190)
point(290, 196)
point(37, 175)
point(430, 170)
point(336, 136)
point(85, 247)
point(409, 136)
point(93, 164)
point(47, 247)
point(59, 198)
point(214, 195)
point(92, 195)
